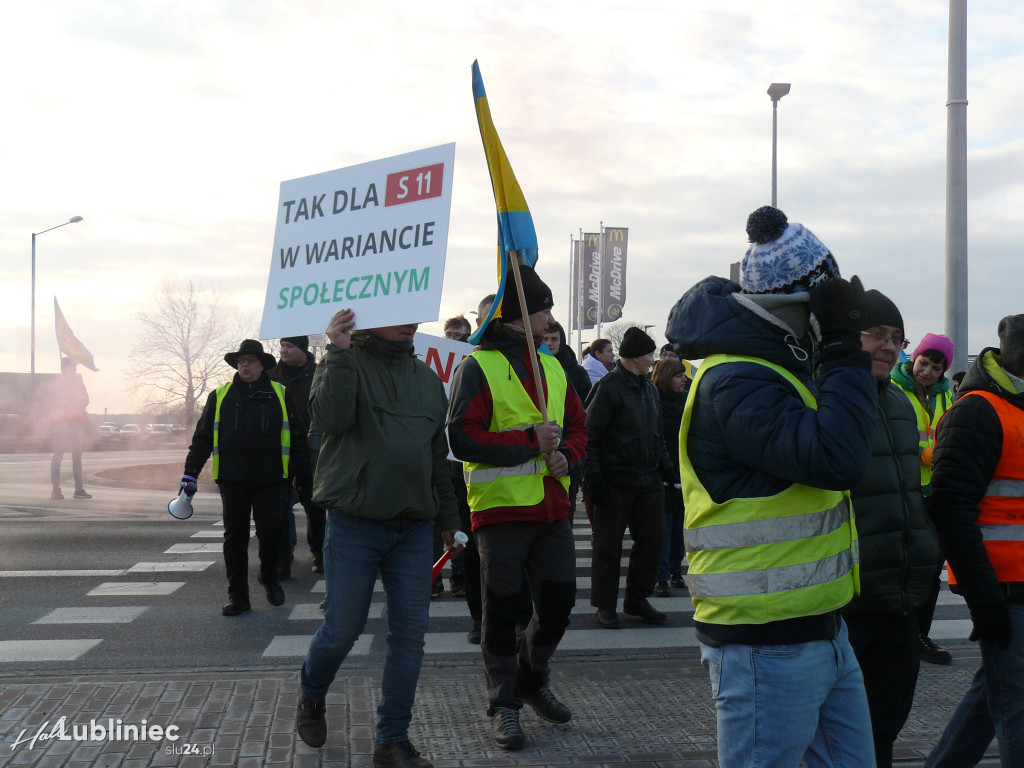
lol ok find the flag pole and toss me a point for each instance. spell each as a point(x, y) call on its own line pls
point(542, 403)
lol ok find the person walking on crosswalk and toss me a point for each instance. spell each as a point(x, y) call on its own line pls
point(383, 477)
point(517, 479)
point(767, 452)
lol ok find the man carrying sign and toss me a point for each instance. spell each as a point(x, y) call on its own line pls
point(383, 477)
point(517, 476)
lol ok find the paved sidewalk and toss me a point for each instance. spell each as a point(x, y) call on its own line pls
point(651, 711)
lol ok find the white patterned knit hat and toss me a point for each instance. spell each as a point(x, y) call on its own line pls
point(783, 257)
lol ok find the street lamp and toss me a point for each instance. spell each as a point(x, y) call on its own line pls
point(72, 220)
point(776, 91)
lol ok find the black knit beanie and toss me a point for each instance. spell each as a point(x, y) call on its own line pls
point(636, 343)
point(878, 309)
point(302, 342)
point(538, 295)
point(1011, 344)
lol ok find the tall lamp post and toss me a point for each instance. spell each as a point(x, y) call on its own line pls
point(72, 220)
point(776, 91)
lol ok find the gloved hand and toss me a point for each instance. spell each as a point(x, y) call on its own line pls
point(304, 484)
point(836, 307)
point(189, 485)
point(926, 456)
point(669, 476)
point(992, 623)
point(597, 490)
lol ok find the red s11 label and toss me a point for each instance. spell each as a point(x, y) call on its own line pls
point(417, 184)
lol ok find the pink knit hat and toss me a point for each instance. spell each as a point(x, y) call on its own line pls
point(941, 343)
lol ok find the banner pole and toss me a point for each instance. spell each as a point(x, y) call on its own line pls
point(600, 278)
point(572, 292)
point(579, 299)
point(542, 404)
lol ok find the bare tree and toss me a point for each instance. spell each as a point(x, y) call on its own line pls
point(180, 356)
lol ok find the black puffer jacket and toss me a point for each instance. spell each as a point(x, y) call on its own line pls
point(250, 436)
point(968, 446)
point(898, 544)
point(625, 445)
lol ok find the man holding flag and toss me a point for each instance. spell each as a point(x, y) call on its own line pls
point(517, 426)
point(68, 400)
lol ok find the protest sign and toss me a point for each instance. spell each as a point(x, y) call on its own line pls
point(371, 237)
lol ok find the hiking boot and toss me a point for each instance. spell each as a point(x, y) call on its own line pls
point(506, 730)
point(457, 588)
point(235, 608)
point(57, 494)
point(275, 594)
point(400, 755)
point(661, 589)
point(546, 705)
point(318, 564)
point(311, 722)
point(473, 635)
point(676, 580)
point(81, 494)
point(644, 611)
point(931, 653)
point(608, 618)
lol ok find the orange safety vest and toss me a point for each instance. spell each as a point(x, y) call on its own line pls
point(1002, 508)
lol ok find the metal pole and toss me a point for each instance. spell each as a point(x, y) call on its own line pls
point(579, 297)
point(775, 141)
point(600, 279)
point(572, 304)
point(956, 184)
point(33, 368)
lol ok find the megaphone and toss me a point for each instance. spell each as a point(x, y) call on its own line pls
point(181, 507)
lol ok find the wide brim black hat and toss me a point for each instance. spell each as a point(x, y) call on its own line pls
point(251, 347)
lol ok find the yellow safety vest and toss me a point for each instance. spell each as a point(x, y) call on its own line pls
point(926, 426)
point(491, 486)
point(286, 435)
point(763, 559)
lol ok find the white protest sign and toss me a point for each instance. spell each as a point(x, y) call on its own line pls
point(371, 237)
point(441, 354)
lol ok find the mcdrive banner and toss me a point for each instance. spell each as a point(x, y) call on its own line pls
point(604, 276)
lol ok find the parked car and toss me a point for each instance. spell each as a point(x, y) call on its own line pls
point(131, 432)
point(113, 426)
point(106, 431)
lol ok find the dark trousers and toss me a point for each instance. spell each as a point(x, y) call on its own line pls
point(927, 611)
point(67, 438)
point(266, 505)
point(316, 523)
point(642, 510)
point(546, 554)
point(886, 647)
point(470, 557)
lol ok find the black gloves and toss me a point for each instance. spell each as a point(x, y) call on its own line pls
point(992, 623)
point(836, 308)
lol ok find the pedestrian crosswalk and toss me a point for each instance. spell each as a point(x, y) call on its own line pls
point(104, 592)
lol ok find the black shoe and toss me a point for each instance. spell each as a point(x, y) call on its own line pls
point(608, 618)
point(457, 588)
point(318, 564)
point(400, 755)
point(676, 581)
point(311, 722)
point(275, 595)
point(661, 589)
point(546, 705)
point(931, 653)
point(644, 611)
point(473, 635)
point(437, 589)
point(235, 608)
point(506, 730)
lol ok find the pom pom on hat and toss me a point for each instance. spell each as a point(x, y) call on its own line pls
point(783, 257)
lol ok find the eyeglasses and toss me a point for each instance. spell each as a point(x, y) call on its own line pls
point(456, 336)
point(896, 340)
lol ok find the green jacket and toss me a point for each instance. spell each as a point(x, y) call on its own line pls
point(384, 454)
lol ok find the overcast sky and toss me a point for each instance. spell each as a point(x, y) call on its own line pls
point(169, 127)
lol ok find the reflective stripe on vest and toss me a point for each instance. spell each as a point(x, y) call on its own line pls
point(487, 485)
point(1001, 510)
point(762, 559)
point(286, 435)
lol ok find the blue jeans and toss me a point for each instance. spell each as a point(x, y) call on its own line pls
point(780, 704)
point(354, 550)
point(672, 553)
point(992, 707)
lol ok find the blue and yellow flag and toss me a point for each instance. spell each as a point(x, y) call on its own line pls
point(515, 224)
point(68, 342)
